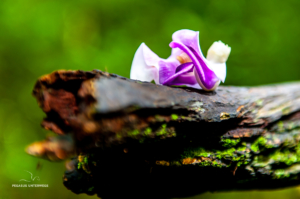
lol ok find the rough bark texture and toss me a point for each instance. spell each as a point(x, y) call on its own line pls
point(143, 140)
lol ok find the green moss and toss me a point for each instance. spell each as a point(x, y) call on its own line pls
point(259, 102)
point(174, 117)
point(148, 131)
point(205, 163)
point(83, 163)
point(242, 148)
point(216, 164)
point(119, 135)
point(133, 133)
point(226, 154)
point(204, 154)
point(280, 173)
point(187, 118)
point(280, 126)
point(195, 152)
point(259, 143)
point(286, 157)
point(291, 125)
point(286, 126)
point(288, 154)
point(163, 130)
point(90, 189)
point(228, 143)
point(286, 110)
point(176, 163)
point(85, 159)
point(241, 163)
point(217, 156)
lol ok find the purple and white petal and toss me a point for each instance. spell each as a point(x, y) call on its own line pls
point(174, 54)
point(187, 79)
point(217, 55)
point(166, 70)
point(184, 76)
point(184, 68)
point(189, 38)
point(219, 69)
point(206, 78)
point(145, 65)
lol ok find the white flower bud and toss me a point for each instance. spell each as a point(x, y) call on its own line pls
point(218, 52)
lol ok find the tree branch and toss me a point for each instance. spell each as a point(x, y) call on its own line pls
point(139, 139)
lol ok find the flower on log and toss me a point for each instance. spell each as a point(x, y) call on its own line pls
point(186, 65)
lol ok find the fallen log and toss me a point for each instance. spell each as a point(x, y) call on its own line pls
point(140, 140)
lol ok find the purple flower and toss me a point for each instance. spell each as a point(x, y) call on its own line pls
point(186, 64)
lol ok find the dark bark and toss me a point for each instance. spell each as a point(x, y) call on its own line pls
point(143, 140)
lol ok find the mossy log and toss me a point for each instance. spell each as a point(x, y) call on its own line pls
point(140, 140)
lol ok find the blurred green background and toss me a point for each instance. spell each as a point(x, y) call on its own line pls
point(40, 36)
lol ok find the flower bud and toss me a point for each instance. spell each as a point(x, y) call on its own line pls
point(218, 52)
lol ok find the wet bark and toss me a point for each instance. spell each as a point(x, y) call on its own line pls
point(140, 140)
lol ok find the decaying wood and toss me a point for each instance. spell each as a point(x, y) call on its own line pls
point(143, 140)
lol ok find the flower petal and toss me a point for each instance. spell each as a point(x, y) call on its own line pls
point(174, 53)
point(183, 76)
point(206, 78)
point(185, 68)
point(187, 79)
point(219, 69)
point(189, 38)
point(166, 70)
point(145, 65)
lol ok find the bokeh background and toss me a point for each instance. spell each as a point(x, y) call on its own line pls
point(40, 36)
